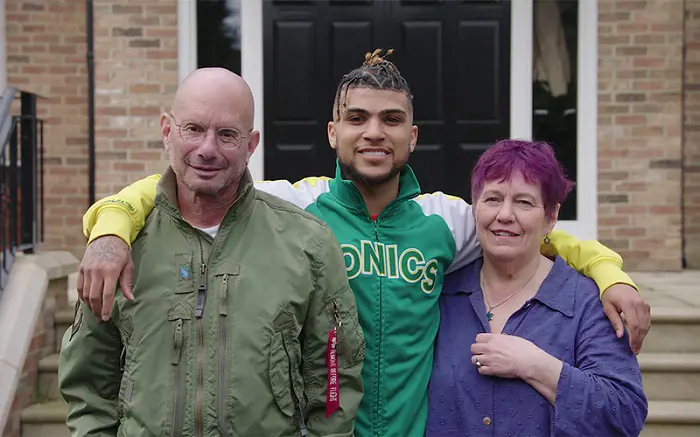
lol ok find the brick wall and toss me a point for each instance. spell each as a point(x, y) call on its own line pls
point(46, 55)
point(135, 79)
point(692, 135)
point(639, 134)
point(136, 76)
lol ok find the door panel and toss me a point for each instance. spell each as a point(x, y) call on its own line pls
point(485, 74)
point(425, 71)
point(455, 55)
point(347, 37)
point(294, 76)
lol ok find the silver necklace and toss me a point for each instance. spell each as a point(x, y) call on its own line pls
point(489, 313)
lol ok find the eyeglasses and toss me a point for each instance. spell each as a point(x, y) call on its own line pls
point(194, 133)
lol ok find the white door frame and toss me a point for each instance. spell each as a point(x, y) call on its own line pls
point(586, 225)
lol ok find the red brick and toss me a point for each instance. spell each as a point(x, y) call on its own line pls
point(144, 88)
point(691, 205)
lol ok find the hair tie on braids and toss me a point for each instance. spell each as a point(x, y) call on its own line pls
point(374, 58)
point(375, 73)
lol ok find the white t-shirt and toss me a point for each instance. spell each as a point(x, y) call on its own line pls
point(211, 231)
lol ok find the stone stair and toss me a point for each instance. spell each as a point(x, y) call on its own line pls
point(48, 418)
point(670, 363)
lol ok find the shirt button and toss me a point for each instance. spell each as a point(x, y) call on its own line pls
point(487, 421)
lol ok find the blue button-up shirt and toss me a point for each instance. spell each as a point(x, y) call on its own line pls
point(600, 387)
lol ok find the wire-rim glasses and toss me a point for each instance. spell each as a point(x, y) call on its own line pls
point(194, 133)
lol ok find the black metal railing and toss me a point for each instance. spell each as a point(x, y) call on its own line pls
point(21, 179)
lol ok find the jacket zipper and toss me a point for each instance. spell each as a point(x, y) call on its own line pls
point(223, 353)
point(199, 311)
point(179, 392)
point(379, 343)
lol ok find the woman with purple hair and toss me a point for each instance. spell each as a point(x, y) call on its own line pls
point(524, 347)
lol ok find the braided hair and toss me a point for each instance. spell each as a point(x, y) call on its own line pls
point(376, 73)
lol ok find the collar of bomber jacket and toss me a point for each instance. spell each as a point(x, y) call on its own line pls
point(348, 194)
point(166, 196)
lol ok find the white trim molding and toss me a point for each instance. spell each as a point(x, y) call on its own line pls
point(186, 38)
point(521, 44)
point(252, 72)
point(587, 121)
point(586, 224)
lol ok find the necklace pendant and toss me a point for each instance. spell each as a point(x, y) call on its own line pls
point(489, 316)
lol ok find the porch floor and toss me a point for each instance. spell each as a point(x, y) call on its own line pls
point(669, 289)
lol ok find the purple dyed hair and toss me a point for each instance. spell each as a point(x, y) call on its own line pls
point(534, 160)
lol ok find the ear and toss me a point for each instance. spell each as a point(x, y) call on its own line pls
point(414, 137)
point(332, 139)
point(552, 218)
point(253, 141)
point(165, 129)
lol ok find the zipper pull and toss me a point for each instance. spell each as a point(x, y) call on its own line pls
point(201, 292)
point(336, 315)
point(177, 343)
point(223, 297)
point(341, 347)
point(201, 298)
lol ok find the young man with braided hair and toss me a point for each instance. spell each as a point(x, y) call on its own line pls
point(398, 245)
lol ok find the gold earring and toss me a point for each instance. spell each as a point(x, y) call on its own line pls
point(546, 239)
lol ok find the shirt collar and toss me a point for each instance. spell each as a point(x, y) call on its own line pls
point(555, 291)
point(346, 191)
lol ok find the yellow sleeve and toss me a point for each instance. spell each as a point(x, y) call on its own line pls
point(590, 258)
point(122, 214)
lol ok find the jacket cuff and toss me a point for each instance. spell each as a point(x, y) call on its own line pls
point(607, 273)
point(112, 221)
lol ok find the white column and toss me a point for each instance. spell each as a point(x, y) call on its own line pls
point(587, 119)
point(186, 37)
point(521, 25)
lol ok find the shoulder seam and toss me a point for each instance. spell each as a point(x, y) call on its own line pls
point(302, 213)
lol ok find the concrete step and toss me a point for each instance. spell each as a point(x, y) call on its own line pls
point(43, 420)
point(62, 322)
point(672, 419)
point(671, 376)
point(674, 330)
point(48, 378)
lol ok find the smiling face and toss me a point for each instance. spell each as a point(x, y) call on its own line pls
point(511, 219)
point(211, 107)
point(374, 135)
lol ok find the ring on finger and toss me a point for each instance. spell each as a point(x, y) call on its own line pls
point(477, 362)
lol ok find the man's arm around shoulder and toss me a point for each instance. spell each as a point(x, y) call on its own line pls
point(122, 214)
point(332, 307)
point(618, 293)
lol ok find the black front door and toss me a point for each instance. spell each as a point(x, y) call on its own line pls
point(454, 54)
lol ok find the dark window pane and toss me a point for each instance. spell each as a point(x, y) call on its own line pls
point(219, 34)
point(555, 60)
